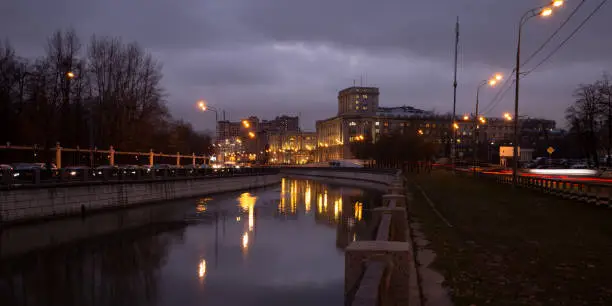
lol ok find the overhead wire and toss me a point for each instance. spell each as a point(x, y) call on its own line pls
point(566, 39)
point(502, 92)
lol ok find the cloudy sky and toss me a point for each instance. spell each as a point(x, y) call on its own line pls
point(272, 57)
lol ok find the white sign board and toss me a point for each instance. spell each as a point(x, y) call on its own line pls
point(508, 151)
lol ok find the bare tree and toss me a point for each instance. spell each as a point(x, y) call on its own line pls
point(584, 117)
point(604, 88)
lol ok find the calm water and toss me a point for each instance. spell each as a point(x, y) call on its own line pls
point(274, 246)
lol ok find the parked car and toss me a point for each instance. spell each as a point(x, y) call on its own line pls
point(99, 171)
point(76, 171)
point(160, 168)
point(130, 170)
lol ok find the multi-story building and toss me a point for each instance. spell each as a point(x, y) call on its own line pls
point(534, 134)
point(360, 118)
point(281, 124)
point(247, 140)
point(291, 147)
point(227, 130)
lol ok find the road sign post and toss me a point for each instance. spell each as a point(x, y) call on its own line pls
point(550, 151)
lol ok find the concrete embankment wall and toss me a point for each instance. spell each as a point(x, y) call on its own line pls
point(23, 204)
point(357, 178)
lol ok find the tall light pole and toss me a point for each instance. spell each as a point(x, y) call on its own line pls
point(491, 82)
point(204, 107)
point(543, 11)
point(453, 149)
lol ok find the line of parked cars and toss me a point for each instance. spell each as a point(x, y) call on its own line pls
point(25, 171)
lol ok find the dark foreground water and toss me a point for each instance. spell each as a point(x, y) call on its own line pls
point(274, 246)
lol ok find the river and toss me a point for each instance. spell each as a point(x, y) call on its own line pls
point(280, 245)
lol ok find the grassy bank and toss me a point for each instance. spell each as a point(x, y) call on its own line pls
point(514, 247)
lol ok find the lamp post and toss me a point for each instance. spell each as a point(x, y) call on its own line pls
point(491, 82)
point(543, 11)
point(204, 107)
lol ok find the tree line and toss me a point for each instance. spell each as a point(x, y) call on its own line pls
point(106, 93)
point(590, 119)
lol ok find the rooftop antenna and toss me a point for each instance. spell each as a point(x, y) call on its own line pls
point(361, 80)
point(353, 82)
point(366, 79)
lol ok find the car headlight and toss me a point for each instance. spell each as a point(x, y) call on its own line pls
point(73, 173)
point(16, 174)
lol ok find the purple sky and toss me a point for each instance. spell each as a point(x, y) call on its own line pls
point(272, 57)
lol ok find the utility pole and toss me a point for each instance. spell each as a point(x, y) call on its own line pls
point(453, 150)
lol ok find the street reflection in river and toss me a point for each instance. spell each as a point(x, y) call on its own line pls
point(274, 246)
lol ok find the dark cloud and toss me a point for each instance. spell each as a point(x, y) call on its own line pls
point(269, 57)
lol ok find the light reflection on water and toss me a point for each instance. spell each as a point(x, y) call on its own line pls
point(251, 248)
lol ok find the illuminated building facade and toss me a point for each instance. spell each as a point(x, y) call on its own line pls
point(360, 118)
point(291, 147)
point(246, 141)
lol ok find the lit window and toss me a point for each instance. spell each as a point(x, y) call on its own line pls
point(365, 108)
point(352, 123)
point(365, 96)
point(356, 96)
point(427, 125)
point(386, 123)
point(377, 123)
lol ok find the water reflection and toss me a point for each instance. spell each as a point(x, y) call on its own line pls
point(274, 249)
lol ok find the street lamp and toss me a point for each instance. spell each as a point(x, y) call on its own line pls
point(251, 135)
point(491, 82)
point(70, 75)
point(543, 11)
point(203, 107)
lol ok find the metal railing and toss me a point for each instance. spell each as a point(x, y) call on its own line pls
point(35, 178)
point(573, 189)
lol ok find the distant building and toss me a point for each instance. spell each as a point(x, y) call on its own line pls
point(227, 130)
point(281, 124)
point(247, 140)
point(360, 118)
point(358, 101)
point(291, 147)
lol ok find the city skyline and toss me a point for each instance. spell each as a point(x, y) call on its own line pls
point(272, 58)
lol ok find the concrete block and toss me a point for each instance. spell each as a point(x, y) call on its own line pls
point(395, 256)
point(398, 199)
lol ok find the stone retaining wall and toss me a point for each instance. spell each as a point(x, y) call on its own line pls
point(36, 203)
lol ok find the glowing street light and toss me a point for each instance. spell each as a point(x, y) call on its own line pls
point(420, 132)
point(491, 82)
point(70, 75)
point(482, 119)
point(246, 124)
point(466, 117)
point(543, 11)
point(202, 268)
point(546, 12)
point(251, 135)
point(202, 105)
point(455, 126)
